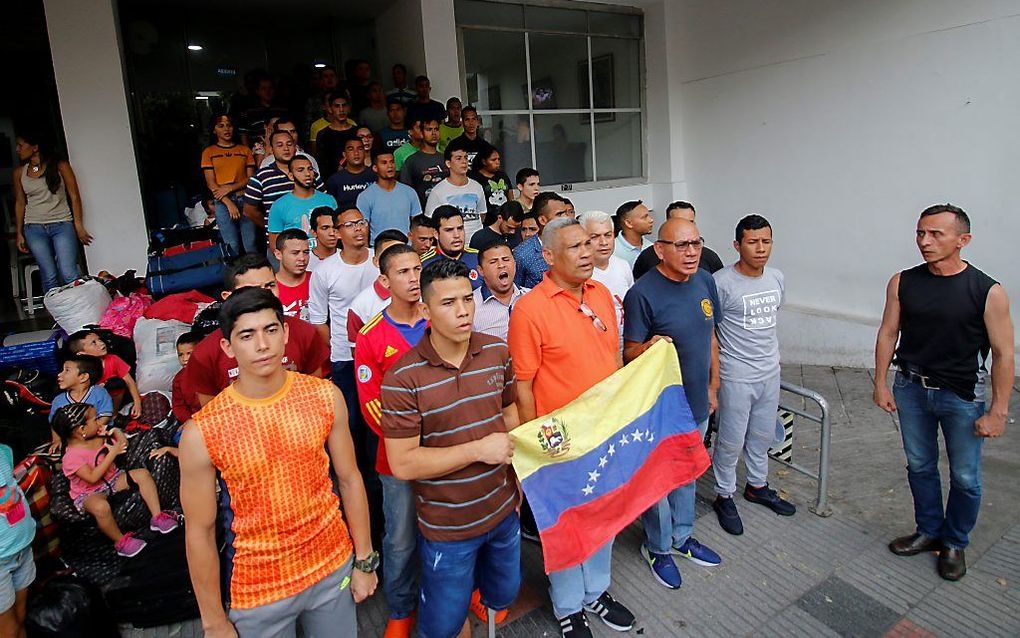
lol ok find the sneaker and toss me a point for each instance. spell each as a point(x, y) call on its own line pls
point(481, 612)
point(729, 519)
point(575, 626)
point(767, 497)
point(129, 545)
point(399, 627)
point(663, 568)
point(164, 522)
point(613, 614)
point(697, 553)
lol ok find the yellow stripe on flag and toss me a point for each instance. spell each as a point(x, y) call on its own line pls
point(599, 413)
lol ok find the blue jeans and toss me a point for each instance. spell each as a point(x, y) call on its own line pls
point(400, 539)
point(450, 571)
point(570, 589)
point(922, 412)
point(235, 233)
point(55, 247)
point(671, 521)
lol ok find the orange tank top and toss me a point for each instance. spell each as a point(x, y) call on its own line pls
point(288, 530)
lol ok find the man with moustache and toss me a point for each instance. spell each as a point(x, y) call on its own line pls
point(495, 298)
point(324, 231)
point(610, 270)
point(271, 183)
point(387, 203)
point(294, 210)
point(292, 277)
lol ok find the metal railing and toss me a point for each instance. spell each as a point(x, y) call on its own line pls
point(821, 506)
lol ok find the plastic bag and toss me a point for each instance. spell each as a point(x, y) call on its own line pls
point(69, 607)
point(78, 304)
point(156, 345)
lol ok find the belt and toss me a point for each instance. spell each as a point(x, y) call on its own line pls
point(917, 375)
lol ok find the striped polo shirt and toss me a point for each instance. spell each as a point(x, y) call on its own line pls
point(268, 185)
point(425, 397)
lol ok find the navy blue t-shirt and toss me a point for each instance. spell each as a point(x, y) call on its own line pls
point(345, 186)
point(686, 312)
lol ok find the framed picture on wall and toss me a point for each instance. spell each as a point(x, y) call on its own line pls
point(602, 85)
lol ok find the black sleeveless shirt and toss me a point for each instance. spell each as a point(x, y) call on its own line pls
point(942, 326)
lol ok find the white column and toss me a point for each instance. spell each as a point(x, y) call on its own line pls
point(439, 31)
point(85, 46)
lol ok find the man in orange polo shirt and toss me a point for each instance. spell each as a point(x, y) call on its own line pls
point(563, 340)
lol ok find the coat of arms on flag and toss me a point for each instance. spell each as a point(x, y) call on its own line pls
point(593, 466)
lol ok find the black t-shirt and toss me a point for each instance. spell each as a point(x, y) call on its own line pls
point(496, 189)
point(486, 236)
point(345, 186)
point(329, 149)
point(648, 259)
point(942, 326)
point(473, 147)
point(432, 110)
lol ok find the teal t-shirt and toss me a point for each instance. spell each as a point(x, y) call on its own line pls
point(17, 527)
point(291, 211)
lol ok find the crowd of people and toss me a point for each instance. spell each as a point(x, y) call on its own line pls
point(408, 311)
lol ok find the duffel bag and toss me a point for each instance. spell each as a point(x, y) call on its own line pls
point(78, 304)
point(31, 351)
point(194, 269)
point(167, 238)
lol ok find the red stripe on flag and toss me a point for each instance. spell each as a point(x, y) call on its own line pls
point(582, 530)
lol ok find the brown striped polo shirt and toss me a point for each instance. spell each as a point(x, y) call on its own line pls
point(424, 396)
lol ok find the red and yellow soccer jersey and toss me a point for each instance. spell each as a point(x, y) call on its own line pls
point(286, 529)
point(381, 342)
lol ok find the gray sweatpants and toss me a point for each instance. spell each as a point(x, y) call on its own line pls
point(324, 610)
point(747, 421)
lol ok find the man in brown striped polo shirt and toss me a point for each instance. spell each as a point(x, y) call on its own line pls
point(447, 405)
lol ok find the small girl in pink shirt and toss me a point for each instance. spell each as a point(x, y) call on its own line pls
point(88, 463)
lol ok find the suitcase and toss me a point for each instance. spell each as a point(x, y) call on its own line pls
point(31, 351)
point(154, 588)
point(195, 269)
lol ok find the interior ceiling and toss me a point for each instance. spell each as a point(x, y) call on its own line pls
point(353, 10)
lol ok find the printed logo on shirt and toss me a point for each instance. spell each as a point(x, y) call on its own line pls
point(473, 275)
point(467, 204)
point(760, 310)
point(287, 365)
point(364, 374)
point(706, 307)
point(390, 351)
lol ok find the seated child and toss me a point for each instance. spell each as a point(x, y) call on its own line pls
point(17, 568)
point(184, 399)
point(88, 342)
point(88, 464)
point(78, 381)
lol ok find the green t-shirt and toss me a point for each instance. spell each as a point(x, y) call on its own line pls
point(446, 134)
point(406, 150)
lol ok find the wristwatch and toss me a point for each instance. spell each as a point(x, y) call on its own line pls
point(368, 564)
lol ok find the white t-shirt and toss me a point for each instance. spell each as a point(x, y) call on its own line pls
point(369, 302)
point(469, 199)
point(333, 288)
point(618, 278)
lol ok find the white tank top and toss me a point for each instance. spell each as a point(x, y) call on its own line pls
point(42, 206)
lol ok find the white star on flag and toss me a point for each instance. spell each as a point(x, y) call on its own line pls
point(612, 449)
point(587, 490)
point(593, 476)
point(623, 439)
point(650, 437)
point(602, 461)
point(637, 435)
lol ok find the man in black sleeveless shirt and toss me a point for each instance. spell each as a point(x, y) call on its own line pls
point(947, 315)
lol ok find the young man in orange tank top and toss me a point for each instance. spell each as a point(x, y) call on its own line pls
point(291, 557)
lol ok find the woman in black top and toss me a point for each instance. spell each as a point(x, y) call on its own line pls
point(486, 170)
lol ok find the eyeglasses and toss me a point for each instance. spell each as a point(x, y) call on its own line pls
point(681, 246)
point(588, 312)
point(361, 223)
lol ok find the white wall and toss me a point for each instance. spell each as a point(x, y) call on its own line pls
point(439, 33)
point(85, 47)
point(840, 122)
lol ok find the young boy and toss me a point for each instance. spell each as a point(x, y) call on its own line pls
point(17, 529)
point(78, 379)
point(88, 342)
point(183, 397)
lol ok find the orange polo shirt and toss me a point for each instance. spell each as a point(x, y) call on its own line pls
point(557, 347)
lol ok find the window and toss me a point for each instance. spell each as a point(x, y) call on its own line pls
point(558, 88)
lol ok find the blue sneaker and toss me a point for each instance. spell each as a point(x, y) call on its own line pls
point(697, 553)
point(663, 568)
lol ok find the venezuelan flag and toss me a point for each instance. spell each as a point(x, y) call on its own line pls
point(592, 467)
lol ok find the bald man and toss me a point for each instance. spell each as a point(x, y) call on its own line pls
point(677, 301)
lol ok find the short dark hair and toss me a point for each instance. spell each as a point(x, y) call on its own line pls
point(962, 219)
point(392, 253)
point(493, 245)
point(453, 99)
point(469, 108)
point(275, 133)
point(74, 342)
point(319, 212)
point(422, 220)
point(394, 99)
point(390, 234)
point(379, 151)
point(439, 270)
point(751, 222)
point(510, 209)
point(451, 148)
point(286, 118)
point(88, 365)
point(566, 201)
point(245, 301)
point(680, 204)
point(542, 200)
point(290, 233)
point(525, 173)
point(189, 338)
point(422, 78)
point(336, 94)
point(446, 211)
point(627, 208)
point(241, 265)
point(302, 157)
point(400, 66)
point(69, 417)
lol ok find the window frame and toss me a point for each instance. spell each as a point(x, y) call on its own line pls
point(595, 183)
